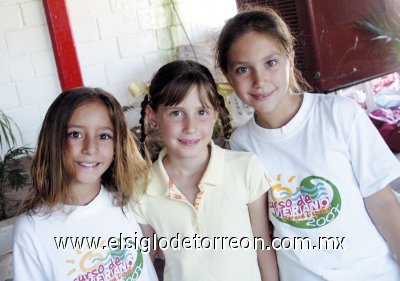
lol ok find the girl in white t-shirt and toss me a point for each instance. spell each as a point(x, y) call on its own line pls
point(76, 223)
point(200, 197)
point(332, 168)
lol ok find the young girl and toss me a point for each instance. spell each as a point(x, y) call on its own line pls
point(332, 167)
point(76, 224)
point(200, 197)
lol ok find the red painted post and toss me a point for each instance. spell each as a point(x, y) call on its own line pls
point(65, 55)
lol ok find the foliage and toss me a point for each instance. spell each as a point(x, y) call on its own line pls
point(6, 134)
point(11, 173)
point(385, 27)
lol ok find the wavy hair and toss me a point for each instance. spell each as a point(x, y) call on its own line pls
point(126, 175)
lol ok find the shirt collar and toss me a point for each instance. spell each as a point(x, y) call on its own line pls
point(159, 181)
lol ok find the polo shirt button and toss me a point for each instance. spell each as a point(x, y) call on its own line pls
point(225, 199)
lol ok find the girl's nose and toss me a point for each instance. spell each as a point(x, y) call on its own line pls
point(190, 125)
point(259, 78)
point(89, 146)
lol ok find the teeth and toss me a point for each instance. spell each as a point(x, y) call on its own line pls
point(188, 141)
point(261, 96)
point(87, 164)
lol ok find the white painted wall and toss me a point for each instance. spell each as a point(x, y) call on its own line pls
point(117, 41)
point(28, 76)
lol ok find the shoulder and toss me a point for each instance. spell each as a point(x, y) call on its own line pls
point(244, 167)
point(157, 181)
point(23, 221)
point(242, 130)
point(231, 154)
point(157, 173)
point(36, 222)
point(335, 108)
point(239, 155)
point(242, 160)
point(29, 220)
point(335, 101)
point(240, 135)
point(25, 226)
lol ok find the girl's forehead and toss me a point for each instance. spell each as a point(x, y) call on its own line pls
point(252, 45)
point(91, 105)
point(204, 95)
point(252, 37)
point(197, 95)
point(85, 111)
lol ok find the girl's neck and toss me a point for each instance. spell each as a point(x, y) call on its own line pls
point(82, 195)
point(186, 174)
point(282, 115)
point(183, 168)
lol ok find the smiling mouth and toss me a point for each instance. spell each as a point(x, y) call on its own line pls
point(262, 96)
point(88, 164)
point(189, 142)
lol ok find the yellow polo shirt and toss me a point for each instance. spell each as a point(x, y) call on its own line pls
point(217, 223)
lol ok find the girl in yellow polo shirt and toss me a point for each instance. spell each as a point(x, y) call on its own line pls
point(204, 206)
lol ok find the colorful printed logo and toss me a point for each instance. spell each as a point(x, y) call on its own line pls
point(312, 204)
point(119, 264)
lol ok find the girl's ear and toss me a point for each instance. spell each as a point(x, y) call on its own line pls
point(151, 116)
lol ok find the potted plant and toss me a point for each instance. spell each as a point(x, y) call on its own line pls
point(385, 26)
point(12, 175)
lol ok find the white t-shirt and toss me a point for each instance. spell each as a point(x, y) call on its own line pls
point(324, 161)
point(37, 238)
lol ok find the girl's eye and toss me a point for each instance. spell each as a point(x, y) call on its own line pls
point(242, 69)
point(271, 63)
point(74, 135)
point(176, 113)
point(203, 112)
point(105, 136)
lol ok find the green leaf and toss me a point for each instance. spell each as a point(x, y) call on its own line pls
point(15, 152)
point(6, 133)
point(396, 45)
point(386, 26)
point(17, 178)
point(11, 173)
point(127, 108)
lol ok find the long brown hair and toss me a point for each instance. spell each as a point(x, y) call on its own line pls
point(50, 178)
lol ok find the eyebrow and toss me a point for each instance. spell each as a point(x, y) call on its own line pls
point(183, 108)
point(267, 57)
point(83, 127)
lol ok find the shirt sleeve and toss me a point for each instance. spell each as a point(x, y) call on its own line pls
point(137, 211)
point(374, 165)
point(234, 144)
point(259, 181)
point(26, 263)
